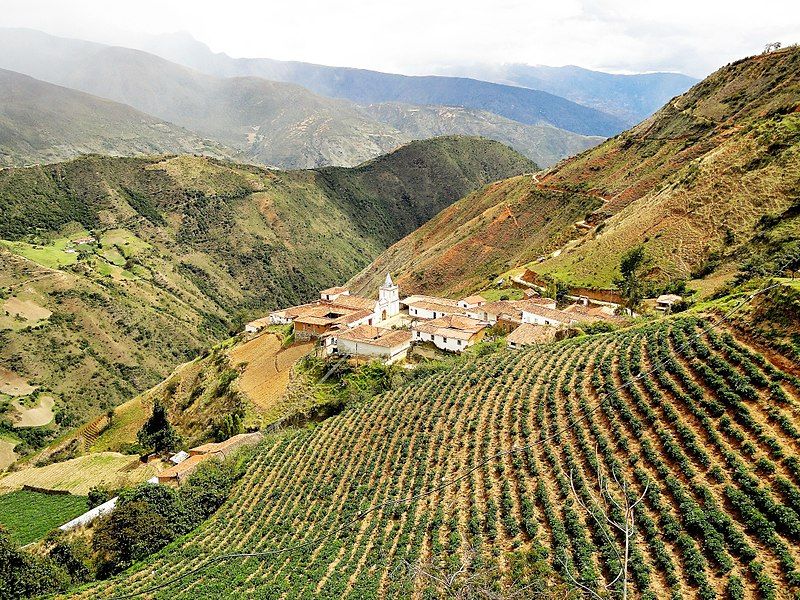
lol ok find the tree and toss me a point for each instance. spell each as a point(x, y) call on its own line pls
point(157, 433)
point(615, 507)
point(632, 266)
point(23, 575)
point(558, 291)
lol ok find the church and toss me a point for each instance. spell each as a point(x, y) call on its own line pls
point(336, 309)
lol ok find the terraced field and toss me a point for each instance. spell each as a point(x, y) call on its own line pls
point(708, 428)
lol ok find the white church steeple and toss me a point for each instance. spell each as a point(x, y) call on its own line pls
point(388, 304)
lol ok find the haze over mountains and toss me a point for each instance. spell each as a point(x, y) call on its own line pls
point(41, 122)
point(259, 111)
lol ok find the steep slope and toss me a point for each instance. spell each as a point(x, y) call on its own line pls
point(714, 176)
point(529, 106)
point(188, 247)
point(630, 97)
point(476, 470)
point(41, 122)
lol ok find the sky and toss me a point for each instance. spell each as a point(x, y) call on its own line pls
point(433, 36)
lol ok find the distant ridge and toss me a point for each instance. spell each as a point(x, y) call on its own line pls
point(41, 122)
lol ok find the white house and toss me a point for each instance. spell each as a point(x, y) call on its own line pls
point(453, 333)
point(388, 345)
point(536, 314)
point(472, 301)
point(665, 301)
point(430, 307)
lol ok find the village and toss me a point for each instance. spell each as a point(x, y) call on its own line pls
point(386, 329)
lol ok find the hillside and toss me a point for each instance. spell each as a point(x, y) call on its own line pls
point(711, 178)
point(187, 248)
point(41, 122)
point(268, 122)
point(470, 469)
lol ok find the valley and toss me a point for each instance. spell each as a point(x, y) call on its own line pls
point(552, 358)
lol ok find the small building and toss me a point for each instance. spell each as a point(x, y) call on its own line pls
point(430, 307)
point(452, 333)
point(472, 301)
point(333, 293)
point(388, 345)
point(536, 314)
point(540, 300)
point(492, 312)
point(178, 458)
point(176, 474)
point(665, 301)
point(257, 325)
point(529, 335)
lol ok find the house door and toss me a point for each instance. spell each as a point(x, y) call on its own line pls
point(383, 315)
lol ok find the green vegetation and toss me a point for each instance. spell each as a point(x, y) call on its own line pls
point(675, 407)
point(190, 248)
point(27, 515)
point(157, 434)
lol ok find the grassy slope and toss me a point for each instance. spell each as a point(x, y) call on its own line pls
point(41, 122)
point(708, 437)
point(691, 181)
point(190, 247)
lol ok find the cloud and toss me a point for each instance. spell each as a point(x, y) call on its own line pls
point(419, 36)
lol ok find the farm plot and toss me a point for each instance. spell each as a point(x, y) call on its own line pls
point(266, 376)
point(79, 475)
point(29, 515)
point(12, 384)
point(706, 431)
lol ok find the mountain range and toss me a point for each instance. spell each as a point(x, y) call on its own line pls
point(41, 122)
point(291, 115)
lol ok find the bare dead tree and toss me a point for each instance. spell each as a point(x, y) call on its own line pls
point(771, 47)
point(465, 581)
point(609, 501)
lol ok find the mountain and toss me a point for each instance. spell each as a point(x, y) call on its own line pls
point(711, 178)
point(189, 247)
point(490, 471)
point(544, 144)
point(528, 106)
point(41, 122)
point(270, 123)
point(630, 97)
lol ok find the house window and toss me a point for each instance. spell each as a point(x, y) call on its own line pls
point(460, 342)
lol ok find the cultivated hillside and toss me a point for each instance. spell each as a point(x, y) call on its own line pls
point(269, 123)
point(482, 469)
point(710, 178)
point(41, 122)
point(188, 247)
